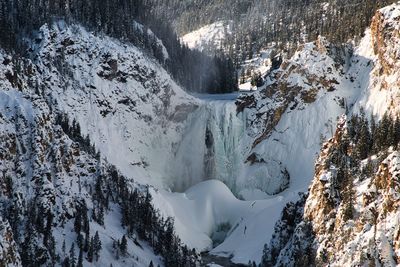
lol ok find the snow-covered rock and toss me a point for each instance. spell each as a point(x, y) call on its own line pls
point(381, 89)
point(351, 219)
point(298, 106)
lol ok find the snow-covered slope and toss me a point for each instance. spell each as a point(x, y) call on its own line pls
point(297, 107)
point(209, 217)
point(77, 94)
point(276, 135)
point(208, 37)
point(46, 178)
point(124, 100)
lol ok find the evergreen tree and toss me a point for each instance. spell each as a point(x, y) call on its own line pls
point(373, 134)
point(80, 258)
point(396, 132)
point(72, 258)
point(96, 243)
point(364, 140)
point(123, 245)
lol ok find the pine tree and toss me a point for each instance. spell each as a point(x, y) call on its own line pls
point(86, 244)
point(373, 135)
point(123, 245)
point(66, 262)
point(363, 143)
point(383, 132)
point(78, 221)
point(96, 243)
point(72, 258)
point(80, 258)
point(396, 129)
point(63, 249)
point(90, 253)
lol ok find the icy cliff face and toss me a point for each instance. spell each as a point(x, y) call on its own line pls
point(216, 145)
point(296, 110)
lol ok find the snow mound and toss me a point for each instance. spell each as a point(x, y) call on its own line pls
point(209, 209)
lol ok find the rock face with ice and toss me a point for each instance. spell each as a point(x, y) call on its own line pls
point(351, 221)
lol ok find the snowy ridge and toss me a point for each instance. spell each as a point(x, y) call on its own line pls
point(371, 233)
point(299, 105)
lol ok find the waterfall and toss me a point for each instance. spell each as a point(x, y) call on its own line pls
point(211, 147)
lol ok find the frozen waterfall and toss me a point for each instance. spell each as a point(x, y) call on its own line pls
point(212, 146)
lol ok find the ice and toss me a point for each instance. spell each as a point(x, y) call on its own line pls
point(211, 147)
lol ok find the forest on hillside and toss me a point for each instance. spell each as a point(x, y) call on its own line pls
point(193, 70)
point(283, 24)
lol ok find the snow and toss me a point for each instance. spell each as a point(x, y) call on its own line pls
point(126, 139)
point(133, 123)
point(211, 35)
point(150, 33)
point(374, 238)
point(379, 86)
point(139, 148)
point(202, 208)
point(26, 120)
point(260, 63)
point(294, 144)
point(244, 87)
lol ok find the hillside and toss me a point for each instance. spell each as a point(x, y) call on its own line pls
point(281, 25)
point(350, 213)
